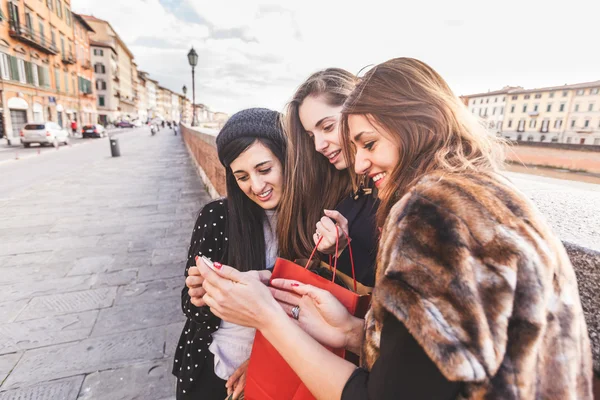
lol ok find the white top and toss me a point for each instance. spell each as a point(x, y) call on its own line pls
point(232, 344)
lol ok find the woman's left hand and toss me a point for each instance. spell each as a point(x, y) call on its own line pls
point(239, 297)
point(237, 382)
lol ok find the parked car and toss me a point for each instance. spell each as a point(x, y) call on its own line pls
point(44, 133)
point(94, 131)
point(124, 124)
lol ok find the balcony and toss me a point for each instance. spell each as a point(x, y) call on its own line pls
point(87, 64)
point(533, 113)
point(116, 78)
point(584, 130)
point(67, 58)
point(28, 36)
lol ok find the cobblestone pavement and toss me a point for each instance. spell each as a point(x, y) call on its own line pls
point(91, 265)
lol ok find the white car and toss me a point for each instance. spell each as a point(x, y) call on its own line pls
point(137, 123)
point(44, 133)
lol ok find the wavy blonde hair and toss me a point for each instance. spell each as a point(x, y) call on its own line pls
point(433, 129)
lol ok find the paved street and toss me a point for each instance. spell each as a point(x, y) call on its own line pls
point(91, 262)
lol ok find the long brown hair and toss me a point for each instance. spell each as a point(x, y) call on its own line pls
point(417, 109)
point(311, 182)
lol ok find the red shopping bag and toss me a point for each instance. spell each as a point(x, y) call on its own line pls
point(269, 377)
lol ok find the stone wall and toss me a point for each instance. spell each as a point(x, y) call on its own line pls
point(203, 149)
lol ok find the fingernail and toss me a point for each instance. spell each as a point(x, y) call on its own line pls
point(217, 265)
point(197, 257)
point(295, 284)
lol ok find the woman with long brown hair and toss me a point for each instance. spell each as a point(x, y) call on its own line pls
point(320, 189)
point(475, 297)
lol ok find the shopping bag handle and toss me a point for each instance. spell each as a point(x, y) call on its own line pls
point(337, 242)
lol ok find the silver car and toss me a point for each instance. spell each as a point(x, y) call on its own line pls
point(44, 133)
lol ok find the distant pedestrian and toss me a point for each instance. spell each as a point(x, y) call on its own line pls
point(74, 126)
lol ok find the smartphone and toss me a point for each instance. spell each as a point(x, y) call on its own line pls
point(208, 262)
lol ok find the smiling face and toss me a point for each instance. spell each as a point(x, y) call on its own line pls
point(259, 174)
point(376, 155)
point(321, 121)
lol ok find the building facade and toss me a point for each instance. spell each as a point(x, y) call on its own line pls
point(113, 67)
point(489, 107)
point(86, 106)
point(152, 97)
point(38, 72)
point(559, 114)
point(142, 96)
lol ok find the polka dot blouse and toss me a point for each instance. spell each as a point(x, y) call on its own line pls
point(209, 239)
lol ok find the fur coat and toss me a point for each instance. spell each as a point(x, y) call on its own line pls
point(472, 269)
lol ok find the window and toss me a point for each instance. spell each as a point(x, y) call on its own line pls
point(538, 96)
point(53, 34)
point(562, 107)
point(62, 46)
point(586, 124)
point(521, 126)
point(569, 139)
point(100, 52)
point(501, 110)
point(473, 111)
point(549, 107)
point(573, 123)
point(576, 107)
point(49, 4)
point(542, 138)
point(535, 107)
point(59, 8)
point(591, 107)
point(527, 96)
point(57, 79)
point(4, 66)
point(485, 112)
point(494, 111)
point(100, 84)
point(532, 123)
point(99, 68)
point(510, 123)
point(519, 137)
point(481, 112)
point(44, 76)
point(22, 76)
point(67, 16)
point(503, 98)
point(515, 97)
point(580, 92)
point(85, 85)
point(495, 100)
point(29, 21)
point(42, 35)
point(582, 141)
point(565, 93)
point(530, 138)
point(101, 101)
point(67, 82)
point(558, 123)
point(525, 108)
point(472, 101)
point(594, 91)
point(487, 100)
point(551, 95)
point(512, 109)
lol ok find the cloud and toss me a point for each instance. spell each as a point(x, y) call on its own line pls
point(255, 52)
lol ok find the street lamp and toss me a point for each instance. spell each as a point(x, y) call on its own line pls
point(193, 59)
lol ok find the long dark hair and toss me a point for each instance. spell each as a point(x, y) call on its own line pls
point(246, 239)
point(311, 183)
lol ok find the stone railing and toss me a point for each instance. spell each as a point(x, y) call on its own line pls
point(580, 241)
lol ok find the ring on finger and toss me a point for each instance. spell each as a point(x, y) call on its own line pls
point(296, 312)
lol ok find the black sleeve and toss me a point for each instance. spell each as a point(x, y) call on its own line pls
point(403, 371)
point(208, 239)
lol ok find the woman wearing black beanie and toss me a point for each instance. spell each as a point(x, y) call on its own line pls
point(211, 355)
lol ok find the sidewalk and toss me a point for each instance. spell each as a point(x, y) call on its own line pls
point(91, 272)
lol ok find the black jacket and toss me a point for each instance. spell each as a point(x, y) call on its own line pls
point(359, 210)
point(209, 238)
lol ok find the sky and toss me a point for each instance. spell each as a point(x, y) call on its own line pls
point(255, 53)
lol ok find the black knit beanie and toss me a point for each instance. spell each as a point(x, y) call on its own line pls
point(252, 122)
